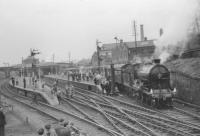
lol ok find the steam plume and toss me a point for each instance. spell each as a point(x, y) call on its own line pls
point(176, 30)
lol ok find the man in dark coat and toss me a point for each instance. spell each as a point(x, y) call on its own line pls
point(24, 81)
point(13, 81)
point(2, 122)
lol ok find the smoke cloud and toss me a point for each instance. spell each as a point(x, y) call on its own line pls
point(177, 30)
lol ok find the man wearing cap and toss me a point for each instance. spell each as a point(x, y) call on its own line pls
point(41, 132)
point(63, 129)
point(2, 122)
point(49, 131)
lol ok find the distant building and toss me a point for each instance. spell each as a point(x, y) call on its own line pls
point(120, 53)
point(30, 61)
point(94, 59)
point(127, 52)
point(124, 52)
point(144, 50)
point(54, 68)
point(105, 55)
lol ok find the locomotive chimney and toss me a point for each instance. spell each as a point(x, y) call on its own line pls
point(141, 33)
point(156, 61)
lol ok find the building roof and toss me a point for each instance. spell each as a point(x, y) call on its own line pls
point(140, 43)
point(47, 64)
point(110, 46)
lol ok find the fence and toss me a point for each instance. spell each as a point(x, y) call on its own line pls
point(188, 87)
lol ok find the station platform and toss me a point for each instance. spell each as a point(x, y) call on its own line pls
point(65, 78)
point(127, 95)
point(45, 92)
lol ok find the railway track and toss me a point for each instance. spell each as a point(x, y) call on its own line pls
point(159, 121)
point(183, 127)
point(92, 113)
point(158, 126)
point(125, 126)
point(194, 110)
point(120, 125)
point(53, 112)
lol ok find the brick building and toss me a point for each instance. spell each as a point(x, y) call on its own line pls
point(105, 54)
point(124, 52)
point(127, 51)
point(120, 53)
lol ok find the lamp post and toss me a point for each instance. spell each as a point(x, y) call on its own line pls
point(135, 34)
point(116, 39)
point(7, 71)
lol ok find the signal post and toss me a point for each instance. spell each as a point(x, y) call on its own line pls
point(112, 78)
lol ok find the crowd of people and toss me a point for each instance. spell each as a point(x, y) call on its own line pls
point(69, 91)
point(103, 83)
point(26, 81)
point(77, 76)
point(62, 128)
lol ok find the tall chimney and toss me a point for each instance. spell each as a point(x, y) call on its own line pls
point(141, 33)
point(161, 32)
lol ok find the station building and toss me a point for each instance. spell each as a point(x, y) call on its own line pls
point(124, 52)
point(31, 66)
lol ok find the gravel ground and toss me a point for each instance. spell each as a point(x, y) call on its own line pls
point(37, 121)
point(17, 120)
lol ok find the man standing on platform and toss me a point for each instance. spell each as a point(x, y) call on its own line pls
point(2, 122)
point(35, 83)
point(71, 91)
point(13, 81)
point(58, 94)
point(24, 81)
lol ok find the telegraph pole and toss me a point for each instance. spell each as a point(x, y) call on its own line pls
point(98, 55)
point(135, 34)
point(53, 57)
point(69, 56)
point(197, 24)
point(22, 71)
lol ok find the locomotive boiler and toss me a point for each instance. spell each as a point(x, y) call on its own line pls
point(153, 84)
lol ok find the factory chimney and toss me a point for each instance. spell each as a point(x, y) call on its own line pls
point(161, 32)
point(141, 33)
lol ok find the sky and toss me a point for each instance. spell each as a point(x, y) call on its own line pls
point(62, 26)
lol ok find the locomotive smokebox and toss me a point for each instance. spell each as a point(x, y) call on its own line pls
point(156, 61)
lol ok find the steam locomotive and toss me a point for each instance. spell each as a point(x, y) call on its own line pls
point(151, 81)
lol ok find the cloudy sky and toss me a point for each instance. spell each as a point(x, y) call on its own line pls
point(62, 26)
